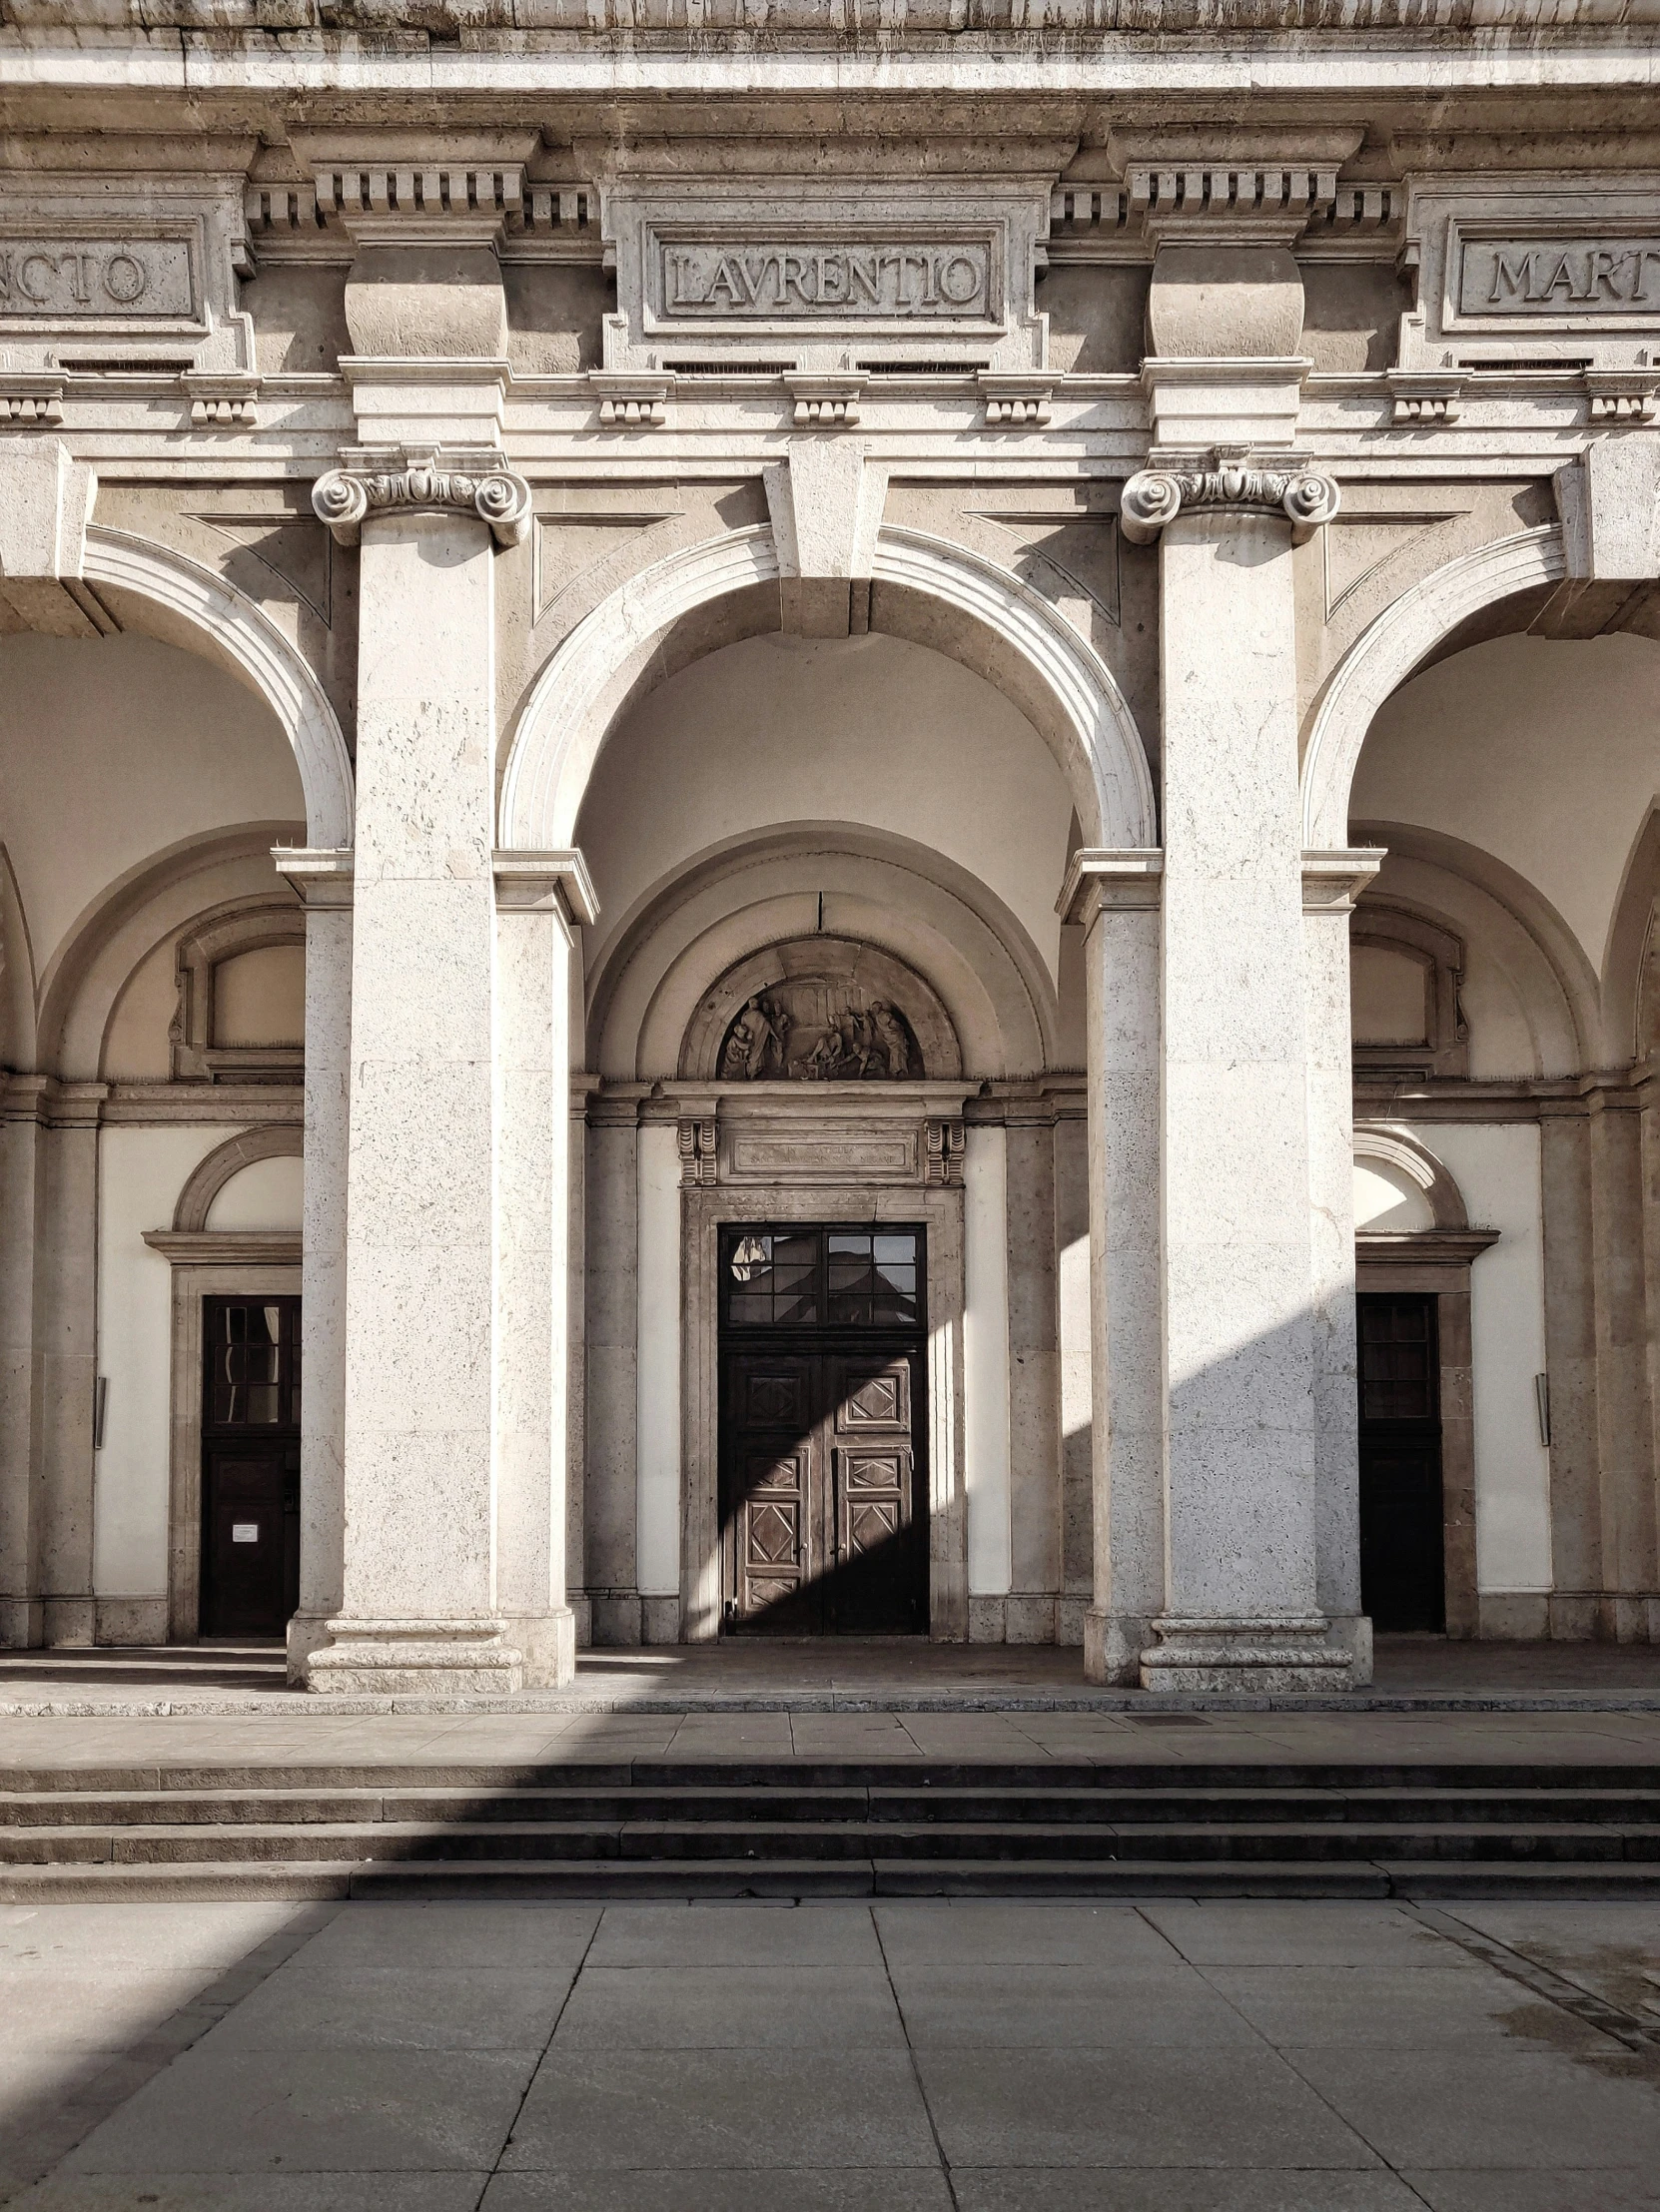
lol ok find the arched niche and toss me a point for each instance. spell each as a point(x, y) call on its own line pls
point(1408, 1167)
point(808, 988)
point(279, 1141)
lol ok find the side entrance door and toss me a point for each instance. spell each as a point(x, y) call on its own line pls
point(1402, 1569)
point(823, 1479)
point(250, 1466)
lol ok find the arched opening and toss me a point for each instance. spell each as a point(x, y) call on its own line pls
point(155, 970)
point(1495, 731)
point(827, 873)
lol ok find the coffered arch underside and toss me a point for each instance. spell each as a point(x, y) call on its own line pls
point(923, 588)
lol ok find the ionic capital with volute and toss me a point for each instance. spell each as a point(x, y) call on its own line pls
point(369, 484)
point(1153, 497)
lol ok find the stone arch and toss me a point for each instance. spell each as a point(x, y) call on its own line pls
point(1399, 1149)
point(576, 697)
point(188, 606)
point(1392, 647)
point(1631, 973)
point(280, 1141)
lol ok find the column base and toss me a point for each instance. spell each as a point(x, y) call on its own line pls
point(21, 1628)
point(1352, 1632)
point(548, 1644)
point(420, 1659)
point(307, 1633)
point(1113, 1643)
point(69, 1623)
point(1266, 1654)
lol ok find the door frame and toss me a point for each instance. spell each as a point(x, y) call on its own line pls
point(705, 1210)
point(1437, 1262)
point(206, 1263)
point(823, 1342)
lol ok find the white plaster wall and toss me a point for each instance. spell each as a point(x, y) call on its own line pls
point(266, 1194)
point(868, 730)
point(171, 746)
point(1497, 1169)
point(657, 1373)
point(1543, 752)
point(141, 1172)
point(985, 1456)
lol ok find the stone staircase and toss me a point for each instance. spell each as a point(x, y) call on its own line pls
point(654, 1828)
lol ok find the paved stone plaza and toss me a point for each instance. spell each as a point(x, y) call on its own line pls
point(1169, 2057)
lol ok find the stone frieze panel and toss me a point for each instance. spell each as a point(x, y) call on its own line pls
point(798, 278)
point(1512, 270)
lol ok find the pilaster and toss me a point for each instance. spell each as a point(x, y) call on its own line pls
point(1332, 882)
point(323, 879)
point(1116, 898)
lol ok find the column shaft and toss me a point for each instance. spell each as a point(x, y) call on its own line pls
point(1240, 1468)
point(322, 1275)
point(533, 1226)
point(419, 1586)
point(1127, 1339)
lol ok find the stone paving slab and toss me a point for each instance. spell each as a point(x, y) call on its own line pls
point(913, 2057)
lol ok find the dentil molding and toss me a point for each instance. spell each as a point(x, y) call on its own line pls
point(346, 498)
point(1155, 496)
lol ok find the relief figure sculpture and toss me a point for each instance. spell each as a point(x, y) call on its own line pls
point(808, 1029)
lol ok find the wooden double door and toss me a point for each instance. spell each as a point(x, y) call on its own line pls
point(250, 1466)
point(823, 1467)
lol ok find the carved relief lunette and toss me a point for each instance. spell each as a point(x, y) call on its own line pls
point(828, 1037)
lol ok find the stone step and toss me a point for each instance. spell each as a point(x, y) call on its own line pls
point(206, 1881)
point(769, 1842)
point(1106, 1806)
point(794, 1776)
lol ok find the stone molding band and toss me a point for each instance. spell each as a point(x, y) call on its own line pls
point(1155, 496)
point(344, 498)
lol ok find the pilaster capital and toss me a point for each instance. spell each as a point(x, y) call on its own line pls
point(531, 882)
point(321, 875)
point(1097, 880)
point(1153, 498)
point(427, 481)
point(1333, 881)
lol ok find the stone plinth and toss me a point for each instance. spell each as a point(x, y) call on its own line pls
point(1247, 1652)
point(427, 1658)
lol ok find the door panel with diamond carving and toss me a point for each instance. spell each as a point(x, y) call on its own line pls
point(823, 1480)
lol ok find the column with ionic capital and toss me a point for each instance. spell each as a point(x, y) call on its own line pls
point(1241, 1604)
point(429, 502)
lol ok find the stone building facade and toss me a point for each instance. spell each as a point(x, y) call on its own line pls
point(780, 780)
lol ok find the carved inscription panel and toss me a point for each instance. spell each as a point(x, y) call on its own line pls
point(1559, 277)
point(806, 277)
point(66, 279)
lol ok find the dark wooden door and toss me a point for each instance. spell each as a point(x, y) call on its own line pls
point(1403, 1564)
point(250, 1466)
point(822, 1480)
